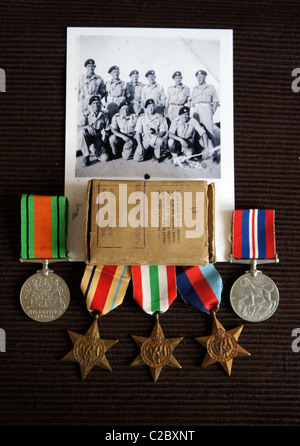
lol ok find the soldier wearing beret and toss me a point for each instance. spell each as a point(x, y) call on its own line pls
point(92, 131)
point(177, 96)
point(115, 91)
point(134, 93)
point(204, 102)
point(89, 84)
point(122, 140)
point(184, 133)
point(151, 131)
point(154, 91)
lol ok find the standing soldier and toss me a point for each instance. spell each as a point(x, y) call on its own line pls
point(205, 102)
point(154, 91)
point(134, 93)
point(115, 91)
point(89, 84)
point(178, 95)
point(151, 130)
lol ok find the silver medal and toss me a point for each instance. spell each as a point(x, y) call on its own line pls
point(254, 297)
point(45, 296)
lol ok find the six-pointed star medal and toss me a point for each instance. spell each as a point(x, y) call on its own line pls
point(222, 346)
point(89, 350)
point(156, 351)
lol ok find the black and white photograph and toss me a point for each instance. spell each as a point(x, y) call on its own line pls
point(149, 104)
point(159, 110)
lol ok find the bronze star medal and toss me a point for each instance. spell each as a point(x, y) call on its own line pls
point(222, 345)
point(156, 351)
point(89, 350)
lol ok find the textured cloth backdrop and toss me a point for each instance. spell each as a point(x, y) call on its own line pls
point(35, 387)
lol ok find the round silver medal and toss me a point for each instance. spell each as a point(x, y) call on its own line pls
point(254, 297)
point(45, 297)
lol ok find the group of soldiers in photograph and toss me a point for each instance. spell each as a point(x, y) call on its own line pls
point(139, 121)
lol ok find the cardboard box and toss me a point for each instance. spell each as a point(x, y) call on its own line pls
point(149, 222)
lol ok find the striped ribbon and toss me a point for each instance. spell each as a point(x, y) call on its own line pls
point(44, 222)
point(154, 287)
point(253, 234)
point(200, 286)
point(104, 286)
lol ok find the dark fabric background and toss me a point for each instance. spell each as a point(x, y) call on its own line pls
point(35, 387)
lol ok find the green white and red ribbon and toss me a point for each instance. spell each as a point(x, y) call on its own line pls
point(154, 287)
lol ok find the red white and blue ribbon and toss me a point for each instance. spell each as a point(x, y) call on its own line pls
point(200, 286)
point(253, 234)
point(154, 287)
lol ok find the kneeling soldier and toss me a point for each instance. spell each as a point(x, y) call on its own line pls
point(183, 134)
point(123, 128)
point(151, 130)
point(91, 132)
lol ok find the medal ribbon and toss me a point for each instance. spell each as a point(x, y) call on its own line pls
point(104, 286)
point(253, 234)
point(154, 287)
point(200, 286)
point(43, 227)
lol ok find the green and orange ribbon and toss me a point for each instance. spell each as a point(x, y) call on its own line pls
point(44, 221)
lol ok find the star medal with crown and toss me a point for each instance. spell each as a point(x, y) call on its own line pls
point(154, 289)
point(104, 288)
point(201, 288)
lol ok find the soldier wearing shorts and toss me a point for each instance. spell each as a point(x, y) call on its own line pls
point(184, 133)
point(92, 131)
point(122, 141)
point(151, 132)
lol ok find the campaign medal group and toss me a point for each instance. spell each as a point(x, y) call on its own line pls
point(45, 296)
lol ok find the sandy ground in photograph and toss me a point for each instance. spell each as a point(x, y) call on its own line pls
point(120, 168)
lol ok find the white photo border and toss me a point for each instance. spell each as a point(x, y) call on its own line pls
point(75, 187)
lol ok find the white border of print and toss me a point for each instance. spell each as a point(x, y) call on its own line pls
point(75, 187)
